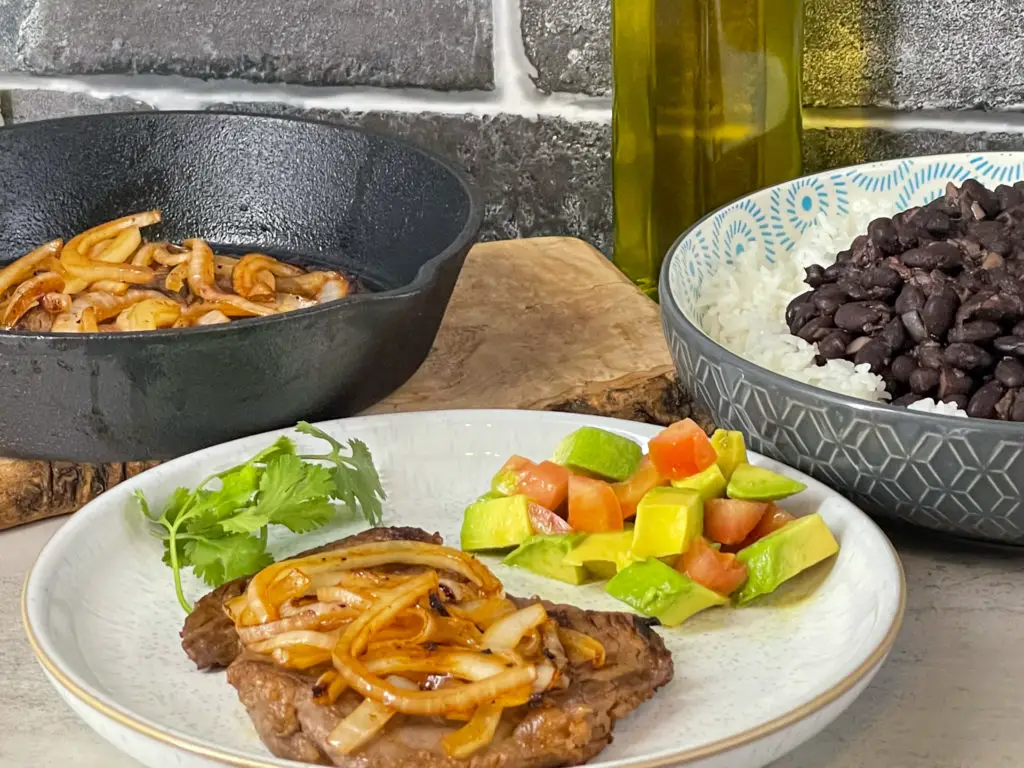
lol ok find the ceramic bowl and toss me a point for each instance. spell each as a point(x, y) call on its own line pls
point(955, 475)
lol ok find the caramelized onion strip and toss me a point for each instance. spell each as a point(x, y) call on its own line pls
point(23, 268)
point(474, 735)
point(365, 721)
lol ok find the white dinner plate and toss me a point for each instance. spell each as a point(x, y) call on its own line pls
point(750, 684)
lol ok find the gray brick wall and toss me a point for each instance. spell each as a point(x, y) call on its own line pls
point(516, 91)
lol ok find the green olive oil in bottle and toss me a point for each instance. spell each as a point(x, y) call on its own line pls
point(706, 109)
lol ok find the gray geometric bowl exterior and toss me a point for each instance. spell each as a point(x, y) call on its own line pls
point(956, 475)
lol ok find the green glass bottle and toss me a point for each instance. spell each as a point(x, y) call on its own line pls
point(706, 109)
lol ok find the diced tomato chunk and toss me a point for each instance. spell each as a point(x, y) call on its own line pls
point(546, 483)
point(593, 506)
point(629, 492)
point(729, 521)
point(775, 517)
point(682, 450)
point(545, 522)
point(718, 571)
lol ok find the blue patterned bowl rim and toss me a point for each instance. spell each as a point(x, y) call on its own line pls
point(669, 306)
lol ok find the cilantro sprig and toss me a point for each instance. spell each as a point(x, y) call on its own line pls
point(219, 529)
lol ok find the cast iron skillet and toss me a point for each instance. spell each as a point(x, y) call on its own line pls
point(399, 218)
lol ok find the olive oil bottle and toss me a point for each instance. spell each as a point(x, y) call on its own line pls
point(706, 109)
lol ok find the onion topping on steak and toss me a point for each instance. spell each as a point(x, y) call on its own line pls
point(364, 653)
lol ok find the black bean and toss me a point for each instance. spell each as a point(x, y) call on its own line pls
point(953, 381)
point(923, 381)
point(906, 231)
point(875, 354)
point(974, 331)
point(834, 271)
point(893, 335)
point(930, 282)
point(882, 277)
point(960, 401)
point(975, 191)
point(937, 255)
point(902, 367)
point(910, 298)
point(1005, 405)
point(1010, 345)
point(834, 345)
point(929, 355)
point(883, 235)
point(992, 305)
point(862, 251)
point(983, 404)
point(992, 235)
point(828, 298)
point(946, 255)
point(1008, 197)
point(815, 275)
point(800, 311)
point(862, 316)
point(939, 311)
point(855, 290)
point(934, 221)
point(816, 329)
point(966, 356)
point(1010, 372)
point(915, 326)
point(1018, 329)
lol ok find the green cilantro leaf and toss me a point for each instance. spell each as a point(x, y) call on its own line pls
point(288, 489)
point(219, 529)
point(305, 517)
point(217, 561)
point(214, 507)
point(355, 477)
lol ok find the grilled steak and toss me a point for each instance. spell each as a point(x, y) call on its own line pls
point(560, 728)
point(209, 636)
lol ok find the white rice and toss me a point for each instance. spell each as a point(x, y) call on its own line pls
point(744, 310)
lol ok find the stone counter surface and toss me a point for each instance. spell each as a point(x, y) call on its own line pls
point(948, 697)
point(518, 91)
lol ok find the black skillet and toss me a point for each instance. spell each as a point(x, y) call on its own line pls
point(396, 217)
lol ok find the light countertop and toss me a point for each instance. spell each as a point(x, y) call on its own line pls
point(948, 697)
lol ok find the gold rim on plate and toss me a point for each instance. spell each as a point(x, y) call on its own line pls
point(683, 757)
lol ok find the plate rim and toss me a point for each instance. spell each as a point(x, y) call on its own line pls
point(680, 758)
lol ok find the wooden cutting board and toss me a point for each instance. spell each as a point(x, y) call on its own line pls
point(539, 324)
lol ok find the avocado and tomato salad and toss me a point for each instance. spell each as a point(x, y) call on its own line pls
point(687, 526)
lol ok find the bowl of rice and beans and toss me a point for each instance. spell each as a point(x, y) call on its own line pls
point(866, 325)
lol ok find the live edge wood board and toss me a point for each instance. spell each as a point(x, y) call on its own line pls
point(538, 324)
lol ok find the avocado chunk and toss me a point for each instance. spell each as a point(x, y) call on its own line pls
point(781, 555)
point(667, 520)
point(598, 452)
point(602, 554)
point(731, 450)
point(655, 589)
point(710, 483)
point(750, 483)
point(545, 555)
point(500, 523)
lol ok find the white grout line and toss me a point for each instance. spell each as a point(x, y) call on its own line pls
point(953, 121)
